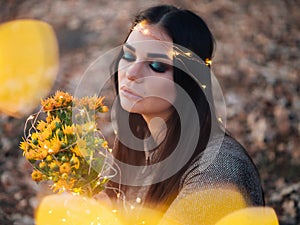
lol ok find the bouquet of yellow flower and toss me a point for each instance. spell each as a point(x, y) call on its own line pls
point(66, 147)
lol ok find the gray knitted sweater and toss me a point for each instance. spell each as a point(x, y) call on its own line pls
point(224, 162)
point(230, 164)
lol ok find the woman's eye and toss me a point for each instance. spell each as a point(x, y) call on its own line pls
point(128, 56)
point(158, 67)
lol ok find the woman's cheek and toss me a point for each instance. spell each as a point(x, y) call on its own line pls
point(162, 88)
point(121, 77)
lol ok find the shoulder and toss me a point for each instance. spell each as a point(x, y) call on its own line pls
point(224, 161)
point(220, 152)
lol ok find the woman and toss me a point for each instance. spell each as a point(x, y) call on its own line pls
point(169, 142)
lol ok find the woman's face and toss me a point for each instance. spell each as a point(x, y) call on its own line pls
point(145, 73)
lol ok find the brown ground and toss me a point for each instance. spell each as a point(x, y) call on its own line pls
point(256, 62)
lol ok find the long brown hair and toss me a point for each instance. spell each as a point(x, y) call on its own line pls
point(190, 31)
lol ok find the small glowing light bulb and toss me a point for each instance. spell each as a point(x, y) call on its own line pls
point(208, 62)
point(220, 120)
point(30, 118)
point(188, 54)
point(175, 53)
point(138, 200)
point(146, 31)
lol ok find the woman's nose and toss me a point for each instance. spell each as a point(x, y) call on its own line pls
point(134, 71)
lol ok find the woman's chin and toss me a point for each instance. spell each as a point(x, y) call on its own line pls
point(131, 107)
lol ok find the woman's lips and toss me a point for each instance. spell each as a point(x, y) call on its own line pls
point(128, 93)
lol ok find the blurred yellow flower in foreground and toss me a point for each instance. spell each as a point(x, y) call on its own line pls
point(29, 61)
point(69, 209)
point(251, 216)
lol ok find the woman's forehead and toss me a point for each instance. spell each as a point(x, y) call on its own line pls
point(154, 31)
point(145, 44)
point(143, 32)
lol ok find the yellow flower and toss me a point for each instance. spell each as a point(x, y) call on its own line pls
point(49, 158)
point(84, 151)
point(81, 148)
point(81, 143)
point(48, 104)
point(62, 184)
point(35, 136)
point(54, 165)
point(68, 130)
point(46, 133)
point(76, 150)
point(64, 176)
point(40, 154)
point(77, 191)
point(54, 122)
point(104, 144)
point(86, 102)
point(75, 162)
point(51, 126)
point(78, 129)
point(63, 95)
point(36, 175)
point(65, 168)
point(49, 118)
point(42, 164)
point(104, 109)
point(55, 144)
point(89, 126)
point(45, 144)
point(24, 145)
point(62, 99)
point(96, 102)
point(29, 155)
point(92, 103)
point(55, 147)
point(41, 125)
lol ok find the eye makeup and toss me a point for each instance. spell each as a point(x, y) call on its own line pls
point(159, 67)
point(156, 65)
point(128, 56)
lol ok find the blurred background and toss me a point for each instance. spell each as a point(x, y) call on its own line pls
point(257, 63)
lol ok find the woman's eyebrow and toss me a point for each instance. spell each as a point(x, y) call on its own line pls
point(150, 55)
point(158, 55)
point(129, 47)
